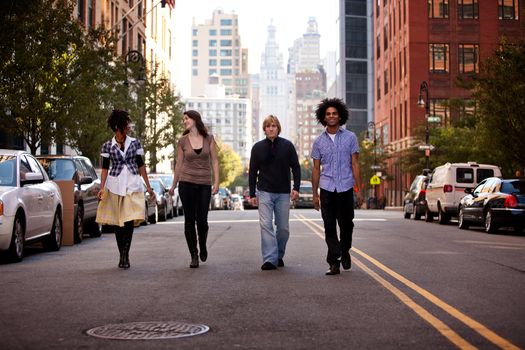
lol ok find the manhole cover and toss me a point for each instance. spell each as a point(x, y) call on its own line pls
point(148, 330)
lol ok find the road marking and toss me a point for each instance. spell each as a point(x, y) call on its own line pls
point(252, 220)
point(493, 243)
point(468, 321)
point(442, 328)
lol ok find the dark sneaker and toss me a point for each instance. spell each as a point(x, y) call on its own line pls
point(268, 266)
point(280, 263)
point(346, 262)
point(333, 270)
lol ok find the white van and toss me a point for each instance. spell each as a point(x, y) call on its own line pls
point(447, 186)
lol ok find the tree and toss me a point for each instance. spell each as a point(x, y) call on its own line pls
point(36, 41)
point(500, 93)
point(230, 165)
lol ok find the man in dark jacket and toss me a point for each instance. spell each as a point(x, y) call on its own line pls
point(270, 163)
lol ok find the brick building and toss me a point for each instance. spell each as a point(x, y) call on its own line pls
point(432, 41)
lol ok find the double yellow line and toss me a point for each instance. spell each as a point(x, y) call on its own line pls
point(439, 325)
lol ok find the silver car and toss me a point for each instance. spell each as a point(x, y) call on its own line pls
point(30, 205)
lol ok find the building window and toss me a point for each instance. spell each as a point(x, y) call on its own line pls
point(213, 62)
point(226, 43)
point(212, 32)
point(385, 79)
point(226, 32)
point(194, 72)
point(195, 53)
point(194, 62)
point(213, 53)
point(226, 62)
point(468, 58)
point(213, 43)
point(438, 58)
point(378, 45)
point(195, 43)
point(385, 37)
point(440, 108)
point(212, 71)
point(226, 72)
point(194, 32)
point(437, 8)
point(226, 22)
point(226, 53)
point(378, 84)
point(468, 9)
point(508, 9)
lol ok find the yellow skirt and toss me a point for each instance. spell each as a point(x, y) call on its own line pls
point(115, 210)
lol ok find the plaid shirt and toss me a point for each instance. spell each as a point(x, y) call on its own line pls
point(336, 159)
point(111, 150)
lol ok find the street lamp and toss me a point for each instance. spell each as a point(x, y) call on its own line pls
point(423, 88)
point(135, 57)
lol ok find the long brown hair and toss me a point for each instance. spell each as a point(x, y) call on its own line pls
point(192, 114)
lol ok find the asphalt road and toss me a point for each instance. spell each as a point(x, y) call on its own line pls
point(413, 285)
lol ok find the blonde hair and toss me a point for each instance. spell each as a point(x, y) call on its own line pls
point(269, 120)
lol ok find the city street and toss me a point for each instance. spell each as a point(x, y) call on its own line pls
point(412, 285)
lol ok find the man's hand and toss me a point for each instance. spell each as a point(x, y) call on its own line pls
point(254, 202)
point(294, 195)
point(316, 201)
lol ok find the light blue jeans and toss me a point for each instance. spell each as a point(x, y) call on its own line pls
point(273, 240)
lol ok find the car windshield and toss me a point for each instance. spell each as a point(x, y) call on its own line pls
point(167, 179)
point(306, 190)
point(7, 170)
point(517, 187)
point(156, 186)
point(59, 169)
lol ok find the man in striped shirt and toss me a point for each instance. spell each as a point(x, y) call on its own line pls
point(335, 154)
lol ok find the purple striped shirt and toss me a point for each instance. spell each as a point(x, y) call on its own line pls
point(336, 159)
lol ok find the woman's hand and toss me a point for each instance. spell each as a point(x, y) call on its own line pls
point(215, 189)
point(151, 192)
point(172, 191)
point(100, 194)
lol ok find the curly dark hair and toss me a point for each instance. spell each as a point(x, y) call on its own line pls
point(118, 120)
point(338, 104)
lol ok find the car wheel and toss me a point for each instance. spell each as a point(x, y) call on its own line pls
point(54, 240)
point(489, 222)
point(417, 213)
point(153, 218)
point(15, 253)
point(79, 224)
point(170, 213)
point(462, 224)
point(429, 217)
point(180, 209)
point(164, 215)
point(443, 218)
point(407, 214)
point(94, 229)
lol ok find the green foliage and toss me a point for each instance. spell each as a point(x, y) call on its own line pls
point(500, 93)
point(230, 165)
point(37, 50)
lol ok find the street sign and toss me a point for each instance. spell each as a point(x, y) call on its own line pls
point(375, 180)
point(375, 167)
point(434, 119)
point(426, 147)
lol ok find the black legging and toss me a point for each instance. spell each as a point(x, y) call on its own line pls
point(195, 201)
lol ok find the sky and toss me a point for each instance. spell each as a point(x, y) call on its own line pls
point(289, 16)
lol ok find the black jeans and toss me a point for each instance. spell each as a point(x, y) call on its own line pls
point(195, 201)
point(337, 208)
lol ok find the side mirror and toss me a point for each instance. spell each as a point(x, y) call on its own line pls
point(85, 180)
point(32, 178)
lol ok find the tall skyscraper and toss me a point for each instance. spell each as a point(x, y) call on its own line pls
point(216, 50)
point(432, 42)
point(356, 62)
point(304, 55)
point(273, 83)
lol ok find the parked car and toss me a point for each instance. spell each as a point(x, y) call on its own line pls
point(246, 203)
point(447, 185)
point(150, 207)
point(164, 199)
point(30, 205)
point(306, 198)
point(168, 181)
point(414, 203)
point(237, 202)
point(225, 196)
point(87, 185)
point(494, 203)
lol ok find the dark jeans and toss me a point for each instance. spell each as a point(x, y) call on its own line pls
point(337, 208)
point(195, 201)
